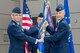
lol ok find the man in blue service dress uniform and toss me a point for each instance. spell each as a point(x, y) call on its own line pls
point(17, 34)
point(33, 47)
point(59, 38)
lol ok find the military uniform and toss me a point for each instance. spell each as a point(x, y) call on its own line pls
point(17, 36)
point(59, 39)
point(34, 33)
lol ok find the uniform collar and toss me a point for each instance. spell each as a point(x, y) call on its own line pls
point(17, 23)
point(60, 20)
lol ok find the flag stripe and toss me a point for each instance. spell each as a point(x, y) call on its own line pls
point(26, 24)
point(25, 15)
point(26, 27)
point(27, 21)
point(26, 18)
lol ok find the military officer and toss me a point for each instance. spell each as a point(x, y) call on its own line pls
point(16, 33)
point(59, 39)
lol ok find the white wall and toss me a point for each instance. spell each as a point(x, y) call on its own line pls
point(5, 10)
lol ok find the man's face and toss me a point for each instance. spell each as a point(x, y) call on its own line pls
point(39, 20)
point(16, 17)
point(60, 15)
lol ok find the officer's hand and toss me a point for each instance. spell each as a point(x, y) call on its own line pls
point(42, 36)
point(41, 40)
point(45, 24)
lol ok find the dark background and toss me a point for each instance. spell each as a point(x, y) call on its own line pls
point(53, 18)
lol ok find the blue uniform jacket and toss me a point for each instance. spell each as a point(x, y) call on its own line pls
point(59, 40)
point(17, 37)
point(34, 33)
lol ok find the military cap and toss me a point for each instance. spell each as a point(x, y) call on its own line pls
point(16, 10)
point(41, 15)
point(60, 7)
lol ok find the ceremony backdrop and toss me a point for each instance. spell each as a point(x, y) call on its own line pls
point(7, 5)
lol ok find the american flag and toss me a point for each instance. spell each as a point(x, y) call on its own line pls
point(26, 21)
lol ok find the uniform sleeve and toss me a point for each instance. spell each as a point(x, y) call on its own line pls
point(50, 30)
point(16, 32)
point(58, 34)
point(32, 31)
